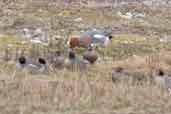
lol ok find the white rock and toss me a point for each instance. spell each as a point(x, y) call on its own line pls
point(27, 33)
point(38, 31)
point(78, 19)
point(127, 16)
point(138, 15)
point(36, 41)
point(2, 35)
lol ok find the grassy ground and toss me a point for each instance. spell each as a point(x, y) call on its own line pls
point(136, 47)
point(86, 92)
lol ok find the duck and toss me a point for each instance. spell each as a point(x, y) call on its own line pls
point(74, 63)
point(21, 64)
point(32, 67)
point(90, 55)
point(73, 42)
point(119, 74)
point(40, 34)
point(58, 60)
point(90, 38)
point(162, 79)
point(158, 76)
point(27, 33)
point(97, 37)
point(42, 65)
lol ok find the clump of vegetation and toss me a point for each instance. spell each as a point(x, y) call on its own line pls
point(126, 45)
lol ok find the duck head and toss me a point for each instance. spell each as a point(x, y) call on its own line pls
point(22, 60)
point(73, 42)
point(110, 37)
point(71, 55)
point(42, 61)
point(160, 72)
point(118, 69)
point(58, 53)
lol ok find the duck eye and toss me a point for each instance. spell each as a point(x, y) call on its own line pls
point(71, 55)
point(160, 73)
point(22, 60)
point(110, 37)
point(42, 61)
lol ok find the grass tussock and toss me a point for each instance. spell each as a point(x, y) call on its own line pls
point(72, 92)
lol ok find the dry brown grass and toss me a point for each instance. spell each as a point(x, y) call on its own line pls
point(82, 93)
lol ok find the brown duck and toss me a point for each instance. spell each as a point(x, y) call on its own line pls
point(90, 55)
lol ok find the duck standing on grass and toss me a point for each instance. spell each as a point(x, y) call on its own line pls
point(73, 42)
point(97, 37)
point(162, 79)
point(42, 66)
point(90, 55)
point(58, 60)
point(27, 33)
point(158, 76)
point(74, 63)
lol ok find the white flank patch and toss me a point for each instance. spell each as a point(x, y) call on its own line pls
point(36, 41)
point(106, 41)
point(99, 36)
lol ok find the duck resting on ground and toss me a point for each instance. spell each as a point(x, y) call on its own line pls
point(21, 64)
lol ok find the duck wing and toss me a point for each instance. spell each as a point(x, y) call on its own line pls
point(90, 56)
point(32, 68)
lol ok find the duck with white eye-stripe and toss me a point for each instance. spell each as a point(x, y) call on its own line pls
point(90, 38)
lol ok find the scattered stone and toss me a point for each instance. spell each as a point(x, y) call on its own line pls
point(126, 16)
point(165, 39)
point(131, 15)
point(78, 19)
